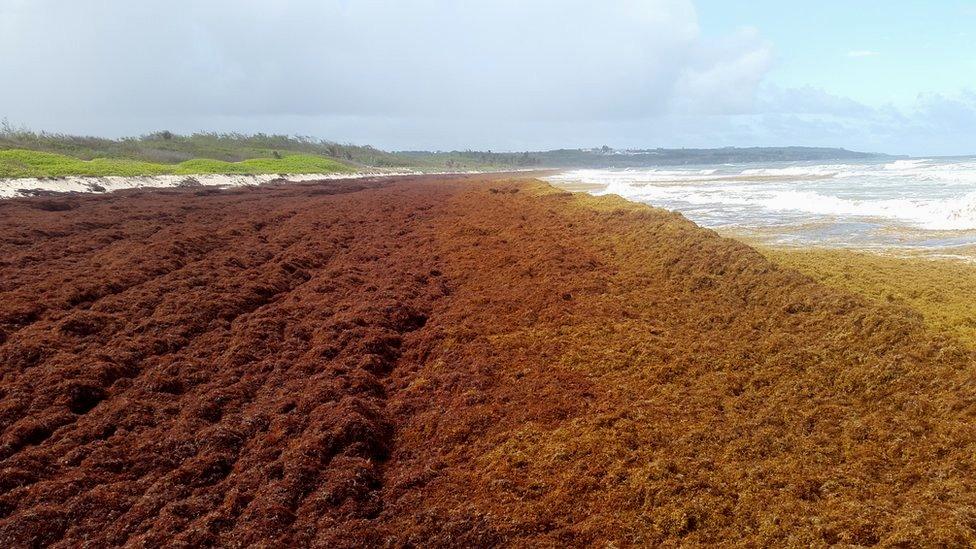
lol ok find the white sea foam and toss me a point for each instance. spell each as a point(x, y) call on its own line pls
point(906, 164)
point(801, 171)
point(866, 199)
point(935, 215)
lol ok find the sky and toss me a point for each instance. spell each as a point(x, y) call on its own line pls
point(895, 76)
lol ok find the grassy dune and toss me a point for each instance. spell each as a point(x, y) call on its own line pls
point(24, 163)
point(170, 149)
point(943, 292)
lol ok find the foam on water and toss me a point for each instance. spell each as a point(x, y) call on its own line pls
point(935, 215)
point(896, 203)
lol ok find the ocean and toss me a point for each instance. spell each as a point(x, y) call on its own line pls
point(922, 204)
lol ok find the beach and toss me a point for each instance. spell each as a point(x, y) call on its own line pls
point(469, 360)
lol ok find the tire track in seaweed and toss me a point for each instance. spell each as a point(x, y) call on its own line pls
point(262, 295)
point(350, 419)
point(364, 420)
point(86, 297)
point(83, 397)
point(119, 212)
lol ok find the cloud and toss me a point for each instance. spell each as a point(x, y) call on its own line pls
point(723, 75)
point(111, 63)
point(502, 74)
point(862, 53)
point(935, 124)
point(807, 100)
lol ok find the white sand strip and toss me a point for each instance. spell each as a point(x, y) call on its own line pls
point(12, 188)
point(31, 186)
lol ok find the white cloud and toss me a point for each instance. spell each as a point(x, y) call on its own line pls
point(936, 124)
point(723, 75)
point(504, 74)
point(112, 63)
point(807, 100)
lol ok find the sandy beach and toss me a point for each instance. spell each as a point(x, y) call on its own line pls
point(455, 361)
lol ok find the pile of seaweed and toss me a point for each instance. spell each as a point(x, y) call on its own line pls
point(454, 361)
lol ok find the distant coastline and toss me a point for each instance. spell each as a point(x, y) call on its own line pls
point(643, 158)
point(26, 154)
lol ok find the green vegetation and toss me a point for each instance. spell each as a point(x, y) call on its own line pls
point(22, 163)
point(165, 152)
point(296, 163)
point(168, 148)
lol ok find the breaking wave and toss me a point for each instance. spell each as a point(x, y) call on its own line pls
point(936, 215)
point(918, 194)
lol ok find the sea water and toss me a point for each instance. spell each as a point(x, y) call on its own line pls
point(927, 203)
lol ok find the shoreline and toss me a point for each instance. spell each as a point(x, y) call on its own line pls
point(941, 244)
point(936, 282)
point(960, 253)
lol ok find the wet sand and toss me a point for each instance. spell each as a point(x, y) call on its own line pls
point(455, 361)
